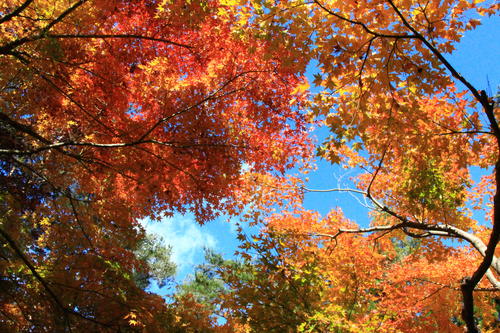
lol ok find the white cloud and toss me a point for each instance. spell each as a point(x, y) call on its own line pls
point(186, 237)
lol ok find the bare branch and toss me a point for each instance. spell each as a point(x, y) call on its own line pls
point(334, 190)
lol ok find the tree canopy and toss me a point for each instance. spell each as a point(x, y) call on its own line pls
point(112, 111)
point(116, 110)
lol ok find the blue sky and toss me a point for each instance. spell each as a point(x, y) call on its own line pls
point(477, 58)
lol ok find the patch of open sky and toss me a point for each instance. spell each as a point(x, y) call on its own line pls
point(188, 240)
point(328, 176)
point(135, 111)
point(477, 58)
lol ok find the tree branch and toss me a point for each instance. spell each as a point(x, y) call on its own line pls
point(15, 12)
point(207, 98)
point(480, 96)
point(57, 145)
point(42, 281)
point(68, 11)
point(442, 230)
point(361, 24)
point(469, 283)
point(118, 36)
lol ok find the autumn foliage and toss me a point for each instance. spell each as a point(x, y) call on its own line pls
point(112, 111)
point(401, 113)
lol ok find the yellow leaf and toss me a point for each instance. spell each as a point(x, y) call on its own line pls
point(301, 88)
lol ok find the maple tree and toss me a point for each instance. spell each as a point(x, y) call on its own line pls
point(116, 110)
point(302, 279)
point(399, 111)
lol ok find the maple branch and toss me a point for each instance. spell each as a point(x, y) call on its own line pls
point(443, 230)
point(464, 132)
point(22, 128)
point(473, 240)
point(476, 130)
point(173, 144)
point(368, 193)
point(365, 58)
point(80, 224)
point(58, 146)
point(469, 283)
point(28, 130)
point(451, 231)
point(431, 294)
point(489, 258)
point(118, 36)
point(44, 283)
point(455, 288)
point(16, 12)
point(62, 16)
point(207, 98)
point(479, 95)
point(7, 48)
point(361, 24)
point(333, 190)
point(358, 231)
